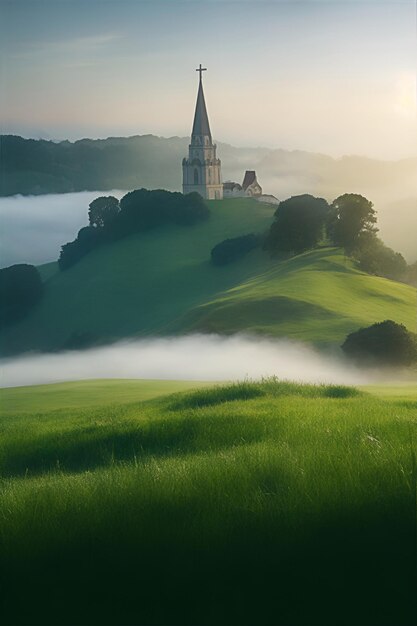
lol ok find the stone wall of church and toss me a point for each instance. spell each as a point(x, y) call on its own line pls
point(202, 170)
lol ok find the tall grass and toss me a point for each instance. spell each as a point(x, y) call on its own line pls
point(266, 503)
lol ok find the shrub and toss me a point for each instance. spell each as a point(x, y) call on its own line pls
point(232, 249)
point(21, 288)
point(385, 343)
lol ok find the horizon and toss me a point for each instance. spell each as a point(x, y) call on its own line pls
point(335, 78)
point(218, 142)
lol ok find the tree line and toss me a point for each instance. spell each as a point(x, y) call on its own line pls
point(21, 287)
point(37, 166)
point(304, 222)
point(138, 211)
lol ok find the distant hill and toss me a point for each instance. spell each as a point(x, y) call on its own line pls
point(37, 166)
point(29, 166)
point(162, 282)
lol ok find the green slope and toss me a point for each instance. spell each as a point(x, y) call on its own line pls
point(266, 503)
point(163, 282)
point(318, 296)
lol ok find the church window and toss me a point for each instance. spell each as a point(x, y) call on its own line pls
point(196, 176)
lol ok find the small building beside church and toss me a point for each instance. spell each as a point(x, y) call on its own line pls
point(250, 184)
point(249, 188)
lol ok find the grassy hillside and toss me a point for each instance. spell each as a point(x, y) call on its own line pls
point(264, 503)
point(86, 394)
point(163, 282)
point(317, 296)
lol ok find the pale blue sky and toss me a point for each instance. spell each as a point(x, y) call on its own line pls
point(336, 76)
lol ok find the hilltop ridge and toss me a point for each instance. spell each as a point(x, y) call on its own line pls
point(162, 282)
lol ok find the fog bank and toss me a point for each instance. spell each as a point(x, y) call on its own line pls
point(193, 357)
point(33, 228)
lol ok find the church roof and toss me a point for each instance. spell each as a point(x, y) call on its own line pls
point(201, 124)
point(250, 177)
point(231, 185)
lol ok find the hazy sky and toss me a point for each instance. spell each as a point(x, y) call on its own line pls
point(337, 76)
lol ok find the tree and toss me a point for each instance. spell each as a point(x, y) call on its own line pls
point(376, 258)
point(411, 274)
point(384, 343)
point(102, 211)
point(142, 210)
point(138, 211)
point(87, 239)
point(350, 216)
point(21, 288)
point(299, 224)
point(232, 249)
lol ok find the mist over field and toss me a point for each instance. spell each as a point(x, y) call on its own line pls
point(33, 228)
point(193, 357)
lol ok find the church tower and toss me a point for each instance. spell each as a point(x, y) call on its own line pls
point(201, 171)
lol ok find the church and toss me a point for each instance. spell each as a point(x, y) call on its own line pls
point(201, 171)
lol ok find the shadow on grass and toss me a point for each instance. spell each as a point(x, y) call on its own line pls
point(218, 395)
point(102, 446)
point(347, 568)
point(334, 391)
point(182, 430)
point(271, 386)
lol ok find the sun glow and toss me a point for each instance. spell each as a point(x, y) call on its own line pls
point(405, 95)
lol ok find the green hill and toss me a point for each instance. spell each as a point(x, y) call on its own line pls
point(317, 296)
point(162, 282)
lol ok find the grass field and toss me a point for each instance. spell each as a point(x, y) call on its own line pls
point(162, 282)
point(267, 503)
point(87, 393)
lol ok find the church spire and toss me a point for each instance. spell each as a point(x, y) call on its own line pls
point(201, 172)
point(201, 126)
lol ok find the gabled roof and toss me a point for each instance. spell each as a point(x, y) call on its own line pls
point(231, 185)
point(250, 177)
point(201, 124)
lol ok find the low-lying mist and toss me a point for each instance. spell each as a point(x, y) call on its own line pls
point(33, 228)
point(390, 185)
point(193, 357)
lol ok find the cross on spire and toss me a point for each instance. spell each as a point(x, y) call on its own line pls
point(201, 70)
